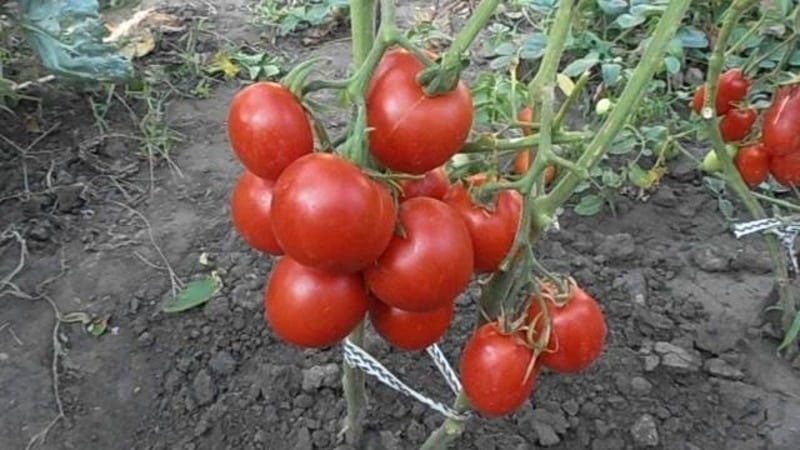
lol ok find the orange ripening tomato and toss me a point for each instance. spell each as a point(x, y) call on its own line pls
point(522, 162)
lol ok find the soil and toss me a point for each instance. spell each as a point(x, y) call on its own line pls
point(690, 364)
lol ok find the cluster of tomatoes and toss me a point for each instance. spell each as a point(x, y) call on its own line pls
point(352, 246)
point(777, 150)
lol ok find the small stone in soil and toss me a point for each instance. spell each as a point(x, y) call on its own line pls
point(320, 376)
point(415, 431)
point(222, 363)
point(617, 246)
point(636, 284)
point(640, 385)
point(710, 259)
point(720, 368)
point(651, 362)
point(645, 432)
point(303, 440)
point(204, 388)
point(571, 407)
point(547, 435)
point(676, 357)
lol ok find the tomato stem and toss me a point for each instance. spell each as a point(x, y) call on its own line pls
point(444, 77)
point(730, 173)
point(490, 144)
point(571, 98)
point(362, 16)
point(450, 430)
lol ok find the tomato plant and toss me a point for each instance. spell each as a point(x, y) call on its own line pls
point(496, 371)
point(311, 308)
point(492, 229)
point(429, 263)
point(408, 330)
point(251, 205)
point(268, 128)
point(752, 161)
point(398, 109)
point(577, 329)
point(327, 214)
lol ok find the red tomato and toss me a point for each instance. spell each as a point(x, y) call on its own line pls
point(523, 159)
point(753, 164)
point(408, 330)
point(411, 132)
point(782, 122)
point(732, 88)
point(492, 230)
point(311, 308)
point(328, 215)
point(268, 129)
point(493, 370)
point(429, 266)
point(736, 125)
point(786, 169)
point(577, 335)
point(250, 209)
point(433, 185)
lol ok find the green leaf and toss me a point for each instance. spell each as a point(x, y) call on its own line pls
point(638, 176)
point(715, 185)
point(791, 335)
point(195, 293)
point(501, 62)
point(611, 179)
point(589, 205)
point(68, 37)
point(611, 73)
point(673, 65)
point(505, 49)
point(725, 207)
point(533, 46)
point(613, 7)
point(577, 67)
point(691, 37)
point(626, 20)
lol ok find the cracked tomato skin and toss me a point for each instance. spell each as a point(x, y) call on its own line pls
point(408, 330)
point(251, 212)
point(781, 130)
point(786, 169)
point(493, 369)
point(411, 132)
point(737, 124)
point(311, 308)
point(429, 263)
point(327, 214)
point(577, 335)
point(492, 229)
point(752, 162)
point(268, 129)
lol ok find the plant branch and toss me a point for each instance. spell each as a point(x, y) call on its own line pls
point(731, 174)
point(450, 430)
point(490, 144)
point(651, 60)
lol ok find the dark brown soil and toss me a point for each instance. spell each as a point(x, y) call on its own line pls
point(688, 363)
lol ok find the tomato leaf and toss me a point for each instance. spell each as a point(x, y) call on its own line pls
point(611, 72)
point(791, 335)
point(195, 293)
point(626, 20)
point(589, 205)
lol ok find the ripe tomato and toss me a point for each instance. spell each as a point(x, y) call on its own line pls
point(434, 185)
point(736, 125)
point(328, 215)
point(753, 164)
point(311, 308)
point(492, 230)
point(476, 180)
point(411, 132)
point(577, 334)
point(268, 129)
point(429, 266)
point(782, 122)
point(251, 212)
point(493, 369)
point(732, 88)
point(786, 169)
point(409, 330)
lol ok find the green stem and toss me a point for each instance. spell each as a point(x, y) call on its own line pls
point(731, 174)
point(651, 60)
point(443, 79)
point(362, 17)
point(450, 430)
point(490, 144)
point(571, 98)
